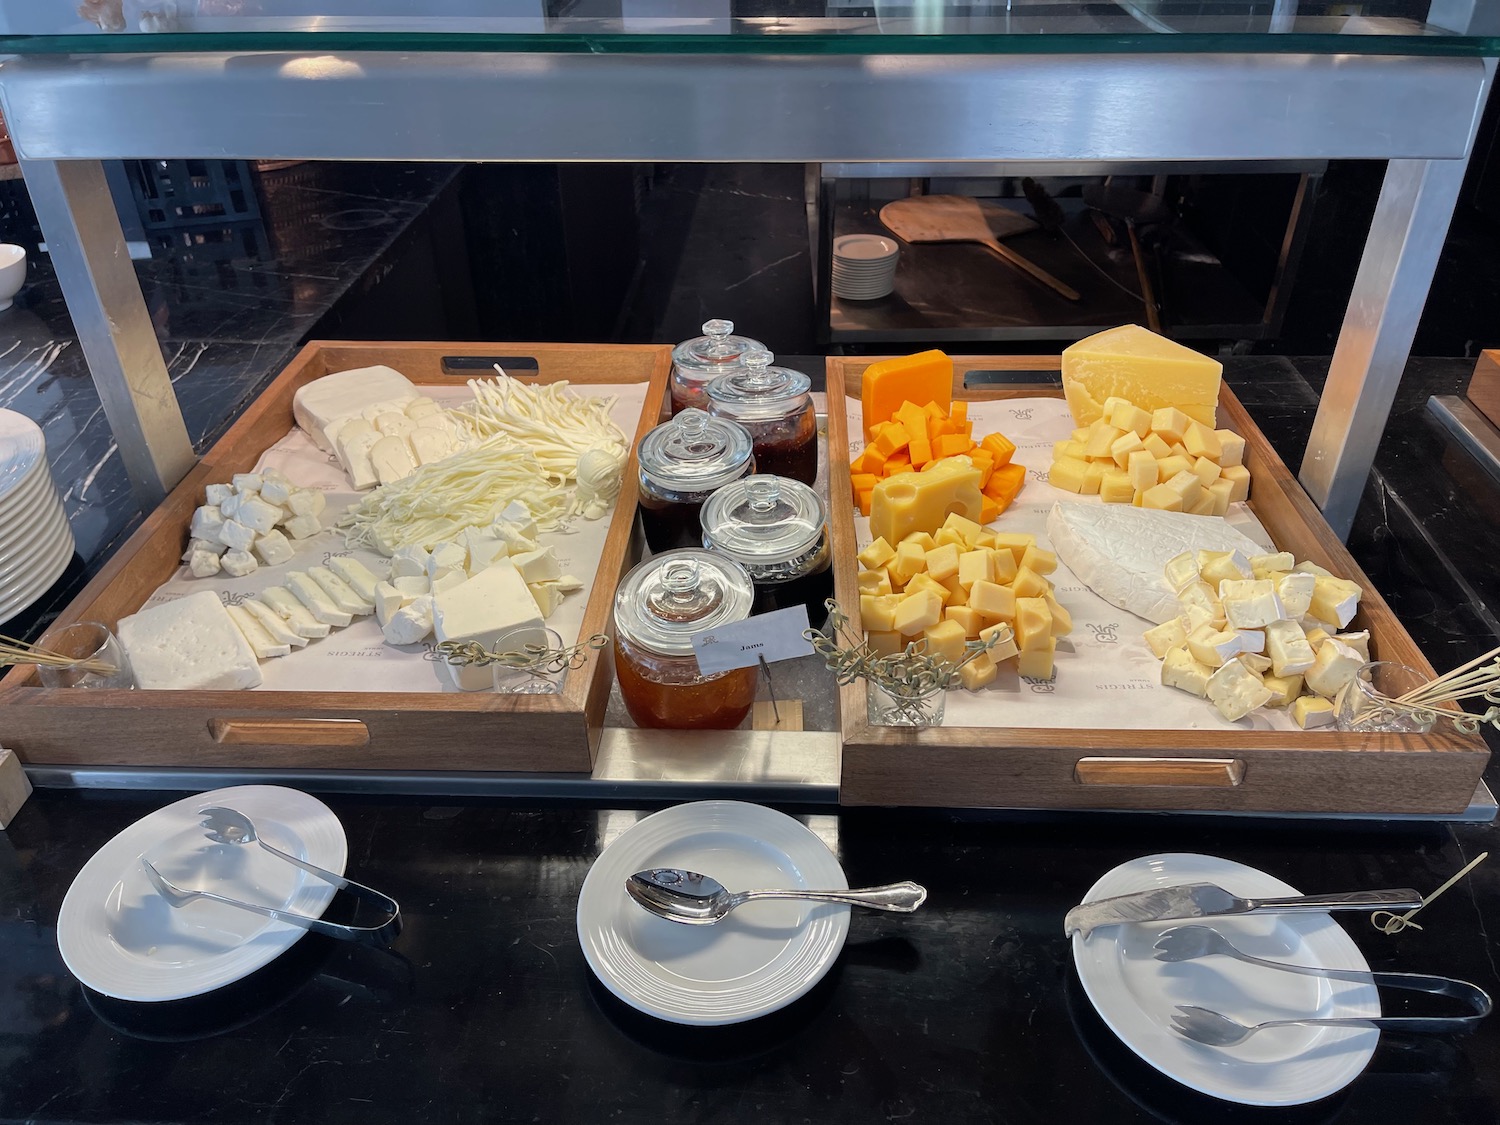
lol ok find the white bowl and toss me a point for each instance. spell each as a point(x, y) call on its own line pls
point(12, 272)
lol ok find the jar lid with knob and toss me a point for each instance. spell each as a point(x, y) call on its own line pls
point(759, 390)
point(670, 598)
point(696, 361)
point(767, 523)
point(694, 453)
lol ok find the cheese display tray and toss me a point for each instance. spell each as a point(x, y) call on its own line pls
point(348, 701)
point(1104, 733)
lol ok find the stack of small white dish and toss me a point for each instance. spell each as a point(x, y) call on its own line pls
point(864, 266)
point(36, 543)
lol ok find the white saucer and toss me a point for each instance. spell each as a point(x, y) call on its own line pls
point(21, 448)
point(1135, 994)
point(864, 248)
point(760, 958)
point(121, 938)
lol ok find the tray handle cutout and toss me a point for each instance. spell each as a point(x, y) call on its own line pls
point(1207, 773)
point(289, 732)
point(483, 366)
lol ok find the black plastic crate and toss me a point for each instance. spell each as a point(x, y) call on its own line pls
point(171, 194)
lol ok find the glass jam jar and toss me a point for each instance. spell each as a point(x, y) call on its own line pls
point(775, 405)
point(659, 607)
point(777, 529)
point(681, 462)
point(696, 361)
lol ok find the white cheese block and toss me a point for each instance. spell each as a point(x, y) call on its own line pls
point(485, 549)
point(394, 423)
point(237, 563)
point(272, 623)
point(316, 599)
point(411, 623)
point(236, 536)
point(357, 574)
point(538, 566)
point(548, 596)
point(343, 594)
point(261, 642)
point(346, 394)
point(204, 564)
point(392, 459)
point(1121, 551)
point(1310, 712)
point(446, 557)
point(213, 547)
point(1296, 592)
point(273, 548)
point(421, 407)
point(216, 494)
point(294, 613)
point(491, 607)
point(190, 643)
point(518, 516)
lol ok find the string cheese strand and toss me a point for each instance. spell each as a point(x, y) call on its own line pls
point(1395, 923)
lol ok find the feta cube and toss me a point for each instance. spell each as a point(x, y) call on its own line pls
point(302, 527)
point(388, 599)
point(446, 557)
point(216, 494)
point(409, 560)
point(204, 564)
point(491, 607)
point(236, 536)
point(276, 492)
point(238, 563)
point(207, 522)
point(246, 482)
point(411, 623)
point(257, 514)
point(306, 502)
point(273, 548)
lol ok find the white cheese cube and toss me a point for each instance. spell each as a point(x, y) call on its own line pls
point(1334, 667)
point(207, 522)
point(571, 585)
point(261, 643)
point(291, 610)
point(1181, 570)
point(267, 476)
point(213, 546)
point(518, 516)
point(1283, 689)
point(1264, 566)
point(1192, 616)
point(1334, 600)
point(204, 564)
point(1286, 645)
point(1212, 646)
point(316, 599)
point(237, 563)
point(1250, 604)
point(492, 606)
point(276, 491)
point(306, 502)
point(189, 643)
point(1295, 591)
point(356, 574)
point(548, 596)
point(302, 527)
point(409, 560)
point(538, 566)
point(246, 482)
point(411, 623)
point(1311, 711)
point(272, 623)
point(1181, 671)
point(273, 548)
point(343, 394)
point(446, 557)
point(1236, 691)
point(1359, 642)
point(343, 594)
point(388, 600)
point(447, 579)
point(1257, 663)
point(484, 547)
point(257, 514)
point(1251, 641)
point(429, 444)
point(230, 507)
point(412, 586)
point(1167, 635)
point(1200, 595)
point(392, 459)
point(236, 536)
point(1218, 566)
point(216, 494)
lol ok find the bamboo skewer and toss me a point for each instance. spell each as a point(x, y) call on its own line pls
point(1435, 690)
point(13, 651)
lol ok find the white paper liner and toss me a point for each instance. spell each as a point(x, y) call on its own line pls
point(1104, 674)
point(357, 658)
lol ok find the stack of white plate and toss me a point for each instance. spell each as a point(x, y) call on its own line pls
point(864, 266)
point(36, 543)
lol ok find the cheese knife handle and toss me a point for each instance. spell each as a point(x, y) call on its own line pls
point(1402, 899)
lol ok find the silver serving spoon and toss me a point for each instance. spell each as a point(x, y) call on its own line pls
point(698, 900)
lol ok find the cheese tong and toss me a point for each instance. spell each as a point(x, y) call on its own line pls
point(230, 826)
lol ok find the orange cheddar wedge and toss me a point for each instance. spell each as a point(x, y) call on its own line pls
point(921, 378)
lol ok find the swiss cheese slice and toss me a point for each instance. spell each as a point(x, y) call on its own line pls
point(1141, 367)
point(909, 502)
point(921, 378)
point(1121, 552)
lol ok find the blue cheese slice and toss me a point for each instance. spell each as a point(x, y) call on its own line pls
point(188, 644)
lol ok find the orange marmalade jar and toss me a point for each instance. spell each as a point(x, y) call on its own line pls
point(659, 607)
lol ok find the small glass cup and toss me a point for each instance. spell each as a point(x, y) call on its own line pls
point(532, 681)
point(890, 710)
point(1368, 703)
point(86, 642)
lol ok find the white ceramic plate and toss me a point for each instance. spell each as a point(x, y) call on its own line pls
point(16, 596)
point(121, 938)
point(21, 447)
point(1135, 993)
point(20, 559)
point(864, 247)
point(760, 958)
point(25, 497)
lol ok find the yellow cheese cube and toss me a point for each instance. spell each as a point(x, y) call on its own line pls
point(1231, 447)
point(1162, 498)
point(1028, 584)
point(975, 566)
point(1033, 623)
point(1069, 449)
point(1138, 498)
point(985, 538)
point(1168, 635)
point(1206, 471)
point(1283, 689)
point(1016, 542)
point(1169, 467)
point(921, 539)
point(993, 601)
point(1124, 446)
point(1140, 366)
point(945, 640)
point(1185, 484)
point(921, 501)
point(1036, 663)
point(1312, 711)
point(1068, 473)
point(1239, 476)
point(946, 536)
point(910, 560)
point(916, 612)
point(942, 562)
point(1203, 506)
point(877, 613)
point(965, 526)
point(1201, 441)
point(1141, 467)
point(1154, 445)
point(967, 617)
point(1221, 490)
point(957, 595)
point(920, 582)
point(1039, 560)
point(1128, 416)
point(1115, 487)
point(1092, 478)
point(876, 555)
point(1003, 566)
point(1169, 424)
point(874, 582)
point(978, 672)
point(1062, 620)
point(1004, 646)
point(885, 644)
point(1097, 448)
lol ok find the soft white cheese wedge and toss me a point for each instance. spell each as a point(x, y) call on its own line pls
point(1335, 666)
point(1250, 604)
point(538, 566)
point(1295, 591)
point(272, 623)
point(1311, 711)
point(294, 613)
point(412, 586)
point(1167, 635)
point(189, 643)
point(261, 642)
point(484, 548)
point(1335, 600)
point(345, 394)
point(1181, 570)
point(356, 574)
point(1265, 566)
point(343, 594)
point(1286, 645)
point(1359, 642)
point(446, 557)
point(1181, 671)
point(1212, 646)
point(1236, 691)
point(1217, 567)
point(317, 601)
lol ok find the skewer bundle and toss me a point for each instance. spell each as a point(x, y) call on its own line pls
point(13, 651)
point(1478, 679)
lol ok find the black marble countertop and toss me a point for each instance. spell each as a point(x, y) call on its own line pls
point(485, 1010)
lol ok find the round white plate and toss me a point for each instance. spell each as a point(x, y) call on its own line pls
point(20, 592)
point(760, 958)
point(1135, 993)
point(21, 447)
point(25, 497)
point(17, 558)
point(121, 938)
point(864, 247)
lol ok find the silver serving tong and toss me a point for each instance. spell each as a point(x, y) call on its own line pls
point(230, 826)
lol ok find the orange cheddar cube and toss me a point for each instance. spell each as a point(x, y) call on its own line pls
point(891, 439)
point(1005, 484)
point(920, 452)
point(951, 445)
point(900, 463)
point(872, 460)
point(958, 410)
point(865, 497)
point(1001, 446)
point(989, 509)
point(864, 480)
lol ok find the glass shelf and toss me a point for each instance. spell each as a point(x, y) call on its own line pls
point(1387, 27)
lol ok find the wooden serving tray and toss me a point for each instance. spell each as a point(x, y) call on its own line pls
point(337, 730)
point(1219, 770)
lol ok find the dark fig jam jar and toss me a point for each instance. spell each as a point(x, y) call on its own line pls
point(681, 463)
point(775, 405)
point(696, 362)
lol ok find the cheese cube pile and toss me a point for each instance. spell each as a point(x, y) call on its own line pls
point(246, 523)
point(1260, 631)
point(960, 584)
point(1161, 459)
